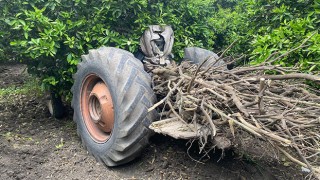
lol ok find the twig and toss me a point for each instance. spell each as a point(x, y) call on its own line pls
point(222, 65)
point(317, 170)
point(236, 100)
point(271, 55)
point(265, 110)
point(286, 99)
point(217, 94)
point(292, 50)
point(208, 118)
point(314, 78)
point(229, 47)
point(271, 135)
point(297, 148)
point(178, 116)
point(255, 121)
point(258, 68)
point(235, 121)
point(262, 88)
point(165, 98)
point(195, 74)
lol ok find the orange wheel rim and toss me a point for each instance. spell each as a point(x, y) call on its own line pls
point(97, 108)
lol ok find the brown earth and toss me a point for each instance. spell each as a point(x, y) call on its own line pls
point(34, 145)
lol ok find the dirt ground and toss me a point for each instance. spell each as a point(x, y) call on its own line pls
point(34, 145)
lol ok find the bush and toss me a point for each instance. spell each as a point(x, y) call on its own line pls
point(50, 36)
point(283, 25)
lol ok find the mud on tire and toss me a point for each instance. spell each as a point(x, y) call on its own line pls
point(130, 89)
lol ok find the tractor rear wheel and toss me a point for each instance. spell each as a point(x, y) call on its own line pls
point(111, 97)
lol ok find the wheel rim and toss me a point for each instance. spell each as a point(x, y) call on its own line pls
point(97, 108)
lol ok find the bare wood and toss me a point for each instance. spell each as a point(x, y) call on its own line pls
point(271, 135)
point(254, 68)
point(311, 77)
point(236, 100)
point(290, 105)
point(232, 119)
point(286, 99)
point(162, 71)
point(266, 104)
point(165, 98)
point(249, 104)
point(262, 88)
point(314, 78)
point(178, 116)
point(255, 121)
point(217, 94)
point(317, 170)
point(195, 74)
point(210, 121)
point(229, 47)
point(297, 148)
point(228, 72)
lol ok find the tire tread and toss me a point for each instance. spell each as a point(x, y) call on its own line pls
point(135, 97)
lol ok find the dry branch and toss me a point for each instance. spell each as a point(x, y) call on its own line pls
point(287, 76)
point(277, 108)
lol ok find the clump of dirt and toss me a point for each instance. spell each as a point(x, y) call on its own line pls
point(34, 145)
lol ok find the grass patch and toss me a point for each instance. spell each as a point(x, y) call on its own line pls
point(30, 87)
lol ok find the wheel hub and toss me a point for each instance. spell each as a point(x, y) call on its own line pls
point(101, 107)
point(97, 108)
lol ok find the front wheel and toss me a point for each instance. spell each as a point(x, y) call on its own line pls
point(111, 97)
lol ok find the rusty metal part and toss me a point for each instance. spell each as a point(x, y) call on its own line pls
point(97, 108)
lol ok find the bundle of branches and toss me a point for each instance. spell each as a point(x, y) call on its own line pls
point(270, 102)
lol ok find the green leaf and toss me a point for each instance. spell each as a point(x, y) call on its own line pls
point(26, 35)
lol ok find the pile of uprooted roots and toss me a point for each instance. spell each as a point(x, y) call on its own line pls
point(270, 102)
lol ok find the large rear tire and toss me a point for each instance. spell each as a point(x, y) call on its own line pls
point(111, 97)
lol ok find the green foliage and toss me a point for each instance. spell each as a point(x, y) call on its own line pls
point(282, 25)
point(189, 20)
point(230, 24)
point(30, 87)
point(61, 144)
point(51, 35)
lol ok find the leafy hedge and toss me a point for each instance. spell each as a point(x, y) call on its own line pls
point(282, 25)
point(51, 35)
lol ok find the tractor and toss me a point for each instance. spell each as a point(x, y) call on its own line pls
point(112, 94)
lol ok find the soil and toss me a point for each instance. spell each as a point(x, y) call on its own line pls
point(34, 145)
